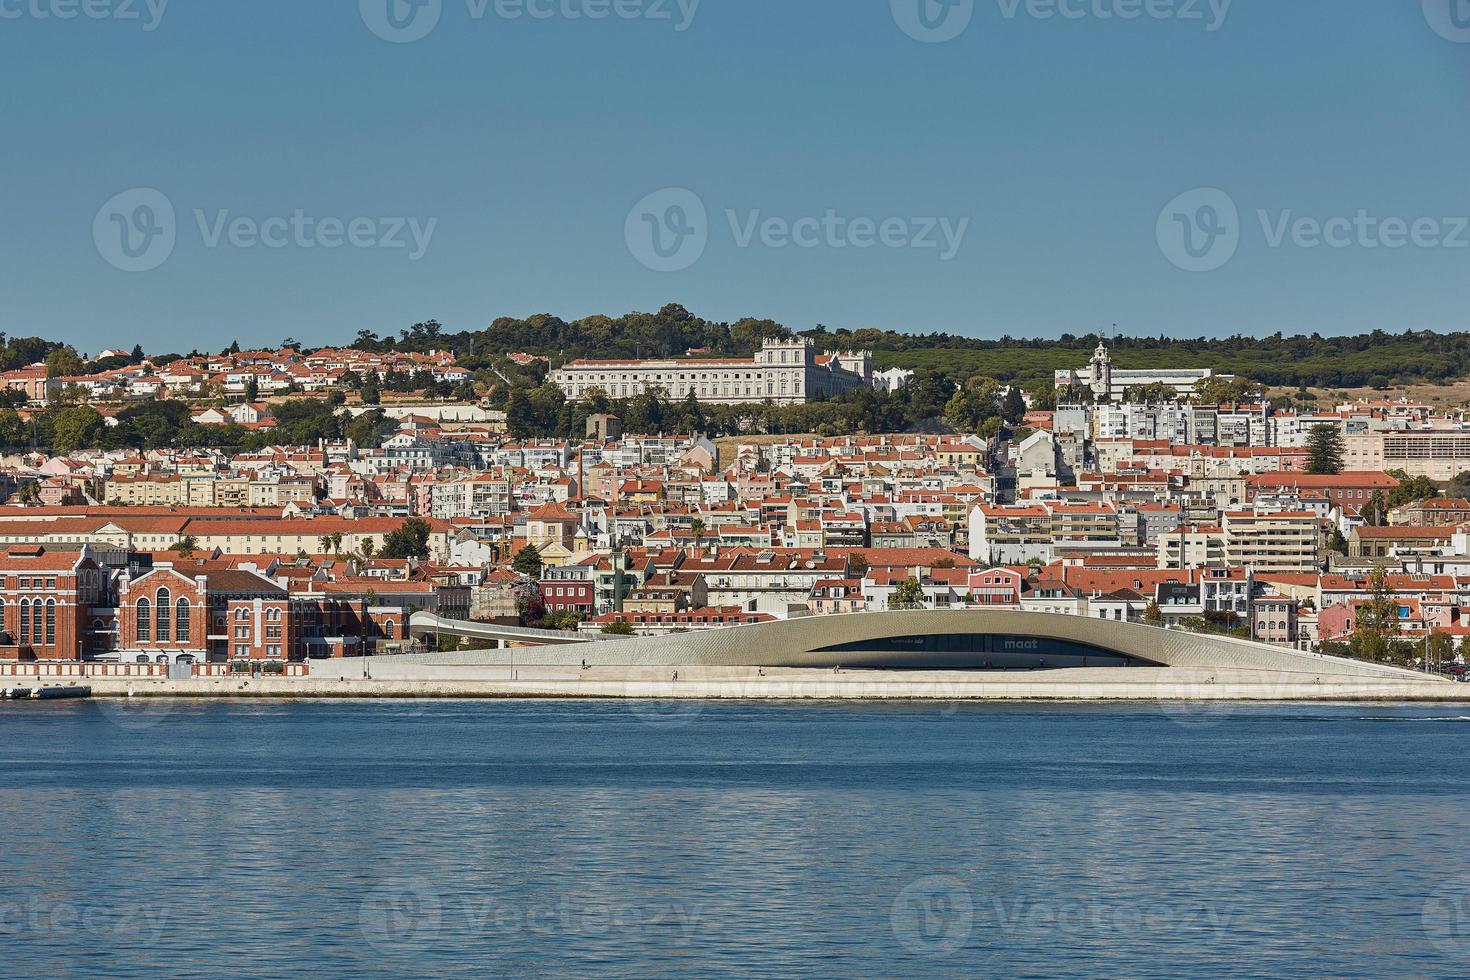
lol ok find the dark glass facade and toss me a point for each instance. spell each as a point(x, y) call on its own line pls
point(984, 651)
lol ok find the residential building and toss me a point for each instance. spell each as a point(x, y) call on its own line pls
point(1273, 542)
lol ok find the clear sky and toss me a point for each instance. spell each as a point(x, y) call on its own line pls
point(853, 166)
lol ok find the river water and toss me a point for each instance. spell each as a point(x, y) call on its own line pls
point(349, 839)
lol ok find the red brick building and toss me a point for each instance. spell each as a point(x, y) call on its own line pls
point(163, 615)
point(213, 615)
point(68, 605)
point(46, 598)
point(1350, 488)
point(569, 588)
point(263, 629)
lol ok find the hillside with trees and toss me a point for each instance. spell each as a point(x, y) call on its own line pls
point(960, 384)
point(1375, 359)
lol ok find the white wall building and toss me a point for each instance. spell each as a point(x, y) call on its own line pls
point(1107, 381)
point(786, 372)
point(892, 379)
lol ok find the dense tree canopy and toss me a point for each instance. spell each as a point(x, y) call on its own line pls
point(370, 429)
point(966, 384)
point(1377, 358)
point(1410, 489)
point(409, 540)
point(527, 562)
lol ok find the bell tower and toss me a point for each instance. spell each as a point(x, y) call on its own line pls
point(1102, 371)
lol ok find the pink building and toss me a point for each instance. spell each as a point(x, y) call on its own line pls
point(997, 587)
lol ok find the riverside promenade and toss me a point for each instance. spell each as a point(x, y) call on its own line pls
point(1000, 655)
point(388, 677)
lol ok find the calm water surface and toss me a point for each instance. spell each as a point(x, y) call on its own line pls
point(339, 839)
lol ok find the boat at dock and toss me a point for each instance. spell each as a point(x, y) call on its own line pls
point(44, 693)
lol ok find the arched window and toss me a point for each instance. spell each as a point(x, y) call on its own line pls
point(50, 622)
point(242, 614)
point(181, 619)
point(390, 629)
point(162, 614)
point(144, 623)
point(25, 621)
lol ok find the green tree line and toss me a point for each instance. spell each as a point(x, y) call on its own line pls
point(1377, 358)
point(165, 423)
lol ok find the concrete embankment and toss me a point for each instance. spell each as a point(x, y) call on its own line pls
point(388, 680)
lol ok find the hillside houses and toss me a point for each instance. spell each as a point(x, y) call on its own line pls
point(1176, 518)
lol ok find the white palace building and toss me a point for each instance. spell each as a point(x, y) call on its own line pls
point(786, 372)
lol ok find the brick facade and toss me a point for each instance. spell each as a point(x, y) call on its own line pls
point(68, 606)
point(45, 601)
point(163, 614)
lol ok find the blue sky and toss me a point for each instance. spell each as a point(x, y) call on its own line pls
point(518, 147)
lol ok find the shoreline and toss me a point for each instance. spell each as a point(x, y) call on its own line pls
point(1182, 685)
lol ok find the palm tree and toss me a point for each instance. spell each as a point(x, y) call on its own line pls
point(366, 549)
point(696, 528)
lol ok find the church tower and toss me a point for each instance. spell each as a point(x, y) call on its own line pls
point(1102, 371)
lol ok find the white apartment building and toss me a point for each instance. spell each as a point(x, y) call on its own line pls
point(786, 372)
point(1192, 546)
point(1171, 423)
point(1021, 533)
point(1273, 542)
point(480, 495)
